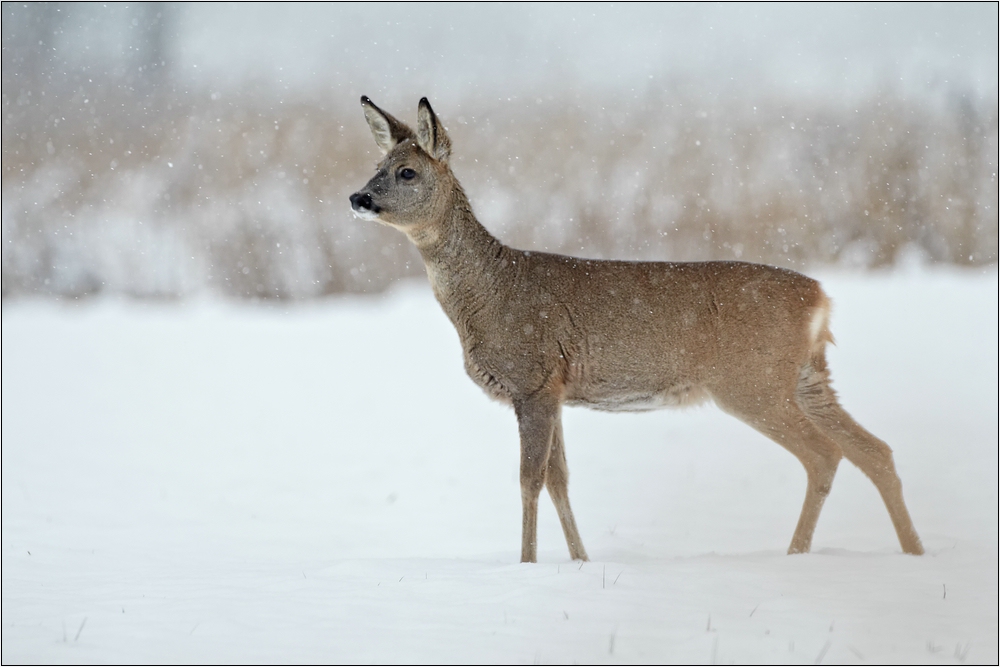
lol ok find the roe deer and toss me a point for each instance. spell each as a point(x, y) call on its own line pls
point(540, 330)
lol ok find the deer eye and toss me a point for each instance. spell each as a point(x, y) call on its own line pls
point(407, 174)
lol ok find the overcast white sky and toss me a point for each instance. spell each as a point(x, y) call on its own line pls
point(451, 51)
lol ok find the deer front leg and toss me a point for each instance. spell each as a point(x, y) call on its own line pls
point(536, 418)
point(556, 481)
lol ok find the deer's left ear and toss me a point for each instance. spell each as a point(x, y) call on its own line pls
point(430, 133)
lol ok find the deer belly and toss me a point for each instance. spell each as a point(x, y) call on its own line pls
point(676, 396)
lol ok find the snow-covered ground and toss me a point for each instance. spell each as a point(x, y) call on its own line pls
point(218, 482)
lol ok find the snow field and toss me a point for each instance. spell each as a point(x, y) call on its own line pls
point(212, 482)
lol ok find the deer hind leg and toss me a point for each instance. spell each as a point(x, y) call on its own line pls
point(861, 448)
point(556, 481)
point(536, 420)
point(783, 421)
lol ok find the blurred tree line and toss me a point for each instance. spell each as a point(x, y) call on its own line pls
point(120, 176)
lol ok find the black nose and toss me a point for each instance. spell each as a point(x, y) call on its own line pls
point(361, 202)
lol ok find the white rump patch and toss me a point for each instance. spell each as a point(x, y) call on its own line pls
point(818, 323)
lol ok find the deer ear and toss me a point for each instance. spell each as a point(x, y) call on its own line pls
point(387, 130)
point(430, 133)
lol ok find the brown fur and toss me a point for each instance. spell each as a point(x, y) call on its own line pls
point(540, 330)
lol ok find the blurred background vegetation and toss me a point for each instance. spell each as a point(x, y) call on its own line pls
point(159, 150)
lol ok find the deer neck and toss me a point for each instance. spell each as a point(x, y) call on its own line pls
point(465, 263)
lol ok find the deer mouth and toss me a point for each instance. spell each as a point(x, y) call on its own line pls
point(364, 207)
